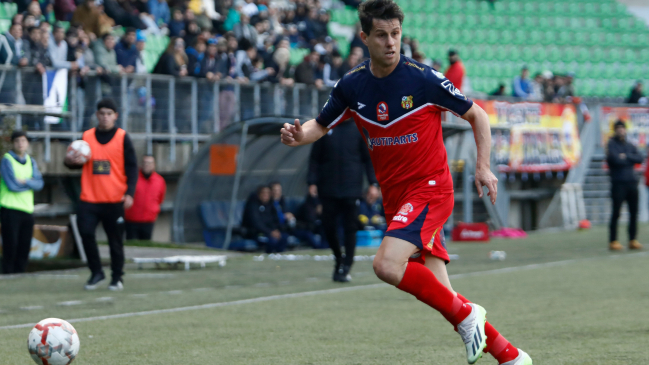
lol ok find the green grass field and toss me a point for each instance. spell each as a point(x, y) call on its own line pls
point(560, 296)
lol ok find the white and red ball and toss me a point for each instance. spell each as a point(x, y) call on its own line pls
point(53, 341)
point(82, 147)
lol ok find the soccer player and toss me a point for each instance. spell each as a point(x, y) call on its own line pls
point(397, 104)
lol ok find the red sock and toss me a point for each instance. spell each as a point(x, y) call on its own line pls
point(497, 345)
point(422, 283)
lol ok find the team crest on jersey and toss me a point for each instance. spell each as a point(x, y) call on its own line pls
point(382, 111)
point(405, 209)
point(406, 102)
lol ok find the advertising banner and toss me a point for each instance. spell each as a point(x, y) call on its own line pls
point(541, 136)
point(637, 124)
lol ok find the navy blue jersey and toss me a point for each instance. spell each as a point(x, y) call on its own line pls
point(400, 118)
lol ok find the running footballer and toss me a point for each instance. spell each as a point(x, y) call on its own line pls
point(397, 105)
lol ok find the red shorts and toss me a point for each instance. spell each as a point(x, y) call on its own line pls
point(420, 221)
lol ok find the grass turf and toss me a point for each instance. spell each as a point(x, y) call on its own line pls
point(586, 311)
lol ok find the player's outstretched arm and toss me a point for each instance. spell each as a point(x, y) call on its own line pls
point(299, 135)
point(479, 121)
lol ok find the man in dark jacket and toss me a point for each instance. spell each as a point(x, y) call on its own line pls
point(621, 157)
point(262, 223)
point(126, 52)
point(336, 167)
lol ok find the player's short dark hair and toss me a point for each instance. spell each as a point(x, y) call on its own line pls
point(378, 9)
point(619, 123)
point(273, 183)
point(107, 103)
point(260, 188)
point(129, 30)
point(148, 155)
point(17, 134)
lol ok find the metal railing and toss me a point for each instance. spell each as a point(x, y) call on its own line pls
point(155, 108)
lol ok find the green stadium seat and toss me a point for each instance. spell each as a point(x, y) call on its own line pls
point(485, 21)
point(582, 54)
point(5, 24)
point(457, 21)
point(610, 40)
point(564, 38)
point(607, 24)
point(549, 37)
point(544, 23)
point(466, 36)
point(471, 7)
point(3, 12)
point(471, 21)
point(443, 21)
point(589, 10)
point(489, 53)
point(499, 22)
point(492, 36)
point(534, 37)
point(606, 9)
point(629, 55)
point(455, 7)
point(506, 37)
point(624, 24)
point(574, 9)
point(590, 24)
point(620, 10)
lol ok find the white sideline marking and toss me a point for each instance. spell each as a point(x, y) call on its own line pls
point(32, 308)
point(151, 276)
point(71, 303)
point(104, 299)
point(320, 292)
point(173, 292)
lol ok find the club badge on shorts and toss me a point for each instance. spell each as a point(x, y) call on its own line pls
point(382, 111)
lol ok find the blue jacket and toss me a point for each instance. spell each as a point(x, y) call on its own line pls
point(522, 87)
point(7, 171)
point(159, 10)
point(126, 56)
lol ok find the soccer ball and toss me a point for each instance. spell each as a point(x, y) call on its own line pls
point(82, 147)
point(53, 341)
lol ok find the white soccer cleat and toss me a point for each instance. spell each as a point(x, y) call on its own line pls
point(522, 359)
point(472, 331)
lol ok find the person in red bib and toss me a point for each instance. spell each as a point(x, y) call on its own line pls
point(108, 180)
point(149, 194)
point(455, 71)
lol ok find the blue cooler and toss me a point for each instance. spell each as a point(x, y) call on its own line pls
point(369, 238)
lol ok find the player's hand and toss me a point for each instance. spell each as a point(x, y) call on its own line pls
point(128, 201)
point(75, 158)
point(292, 135)
point(484, 177)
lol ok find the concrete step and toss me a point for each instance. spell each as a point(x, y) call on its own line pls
point(597, 180)
point(596, 194)
point(596, 172)
point(594, 186)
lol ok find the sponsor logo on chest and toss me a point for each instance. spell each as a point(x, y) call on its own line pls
point(382, 111)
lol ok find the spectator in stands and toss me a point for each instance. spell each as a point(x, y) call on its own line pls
point(46, 28)
point(455, 71)
point(28, 21)
point(406, 50)
point(370, 211)
point(522, 85)
point(63, 9)
point(212, 66)
point(38, 55)
point(280, 63)
point(195, 56)
point(140, 43)
point(309, 221)
point(58, 51)
point(92, 19)
point(330, 75)
point(34, 9)
point(321, 23)
point(20, 177)
point(125, 51)
point(337, 164)
point(177, 24)
point(437, 64)
point(192, 32)
point(305, 72)
point(245, 68)
point(286, 218)
point(538, 85)
point(567, 89)
point(174, 60)
point(149, 195)
point(105, 56)
point(354, 58)
point(16, 44)
point(160, 11)
point(121, 16)
point(249, 9)
point(87, 54)
point(621, 157)
point(358, 42)
point(636, 93)
point(243, 30)
point(261, 221)
point(500, 91)
point(18, 19)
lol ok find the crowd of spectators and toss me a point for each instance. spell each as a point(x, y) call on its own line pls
point(545, 87)
point(239, 40)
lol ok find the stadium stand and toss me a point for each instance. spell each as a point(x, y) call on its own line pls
point(598, 40)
